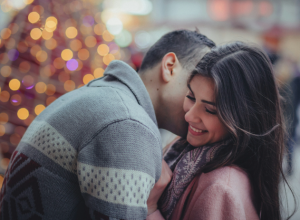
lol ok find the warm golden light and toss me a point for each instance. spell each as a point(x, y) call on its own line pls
point(33, 17)
point(14, 84)
point(49, 100)
point(2, 131)
point(51, 44)
point(35, 33)
point(15, 99)
point(47, 35)
point(50, 89)
point(51, 24)
point(87, 78)
point(23, 113)
point(40, 87)
point(80, 64)
point(75, 45)
point(99, 29)
point(83, 54)
point(5, 71)
point(90, 41)
point(59, 63)
point(98, 72)
point(47, 71)
point(3, 118)
point(66, 54)
point(107, 36)
point(24, 67)
point(103, 49)
point(69, 85)
point(38, 109)
point(108, 58)
point(71, 32)
point(5, 33)
point(4, 96)
point(28, 2)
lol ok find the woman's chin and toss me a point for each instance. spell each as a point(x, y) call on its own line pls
point(193, 141)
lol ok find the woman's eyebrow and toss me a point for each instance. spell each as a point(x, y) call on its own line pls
point(190, 88)
point(211, 103)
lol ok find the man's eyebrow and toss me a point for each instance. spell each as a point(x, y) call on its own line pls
point(190, 88)
point(211, 103)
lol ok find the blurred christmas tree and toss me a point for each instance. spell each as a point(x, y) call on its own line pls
point(49, 48)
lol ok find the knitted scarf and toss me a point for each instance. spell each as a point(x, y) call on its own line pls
point(186, 162)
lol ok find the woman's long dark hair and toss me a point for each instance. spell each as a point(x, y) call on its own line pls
point(248, 103)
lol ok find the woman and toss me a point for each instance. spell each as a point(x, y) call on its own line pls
point(229, 166)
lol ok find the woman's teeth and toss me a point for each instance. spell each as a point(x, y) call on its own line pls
point(196, 130)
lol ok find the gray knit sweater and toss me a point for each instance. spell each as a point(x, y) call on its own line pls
point(94, 152)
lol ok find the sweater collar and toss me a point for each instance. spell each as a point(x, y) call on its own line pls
point(128, 76)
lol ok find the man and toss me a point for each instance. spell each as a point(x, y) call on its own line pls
point(96, 152)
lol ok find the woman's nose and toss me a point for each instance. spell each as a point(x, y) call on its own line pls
point(192, 115)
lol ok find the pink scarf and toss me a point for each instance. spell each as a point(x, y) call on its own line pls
point(186, 162)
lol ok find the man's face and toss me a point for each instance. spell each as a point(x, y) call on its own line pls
point(174, 98)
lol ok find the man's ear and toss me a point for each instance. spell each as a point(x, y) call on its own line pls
point(169, 62)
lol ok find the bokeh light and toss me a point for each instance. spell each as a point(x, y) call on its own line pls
point(23, 113)
point(24, 66)
point(13, 54)
point(98, 72)
point(3, 118)
point(4, 96)
point(107, 36)
point(114, 26)
point(123, 39)
point(87, 78)
point(103, 50)
point(40, 87)
point(41, 56)
point(22, 46)
point(75, 45)
point(50, 89)
point(33, 17)
point(59, 63)
point(69, 85)
point(5, 71)
point(108, 58)
point(5, 33)
point(71, 32)
point(72, 64)
point(83, 54)
point(99, 29)
point(14, 84)
point(90, 41)
point(2, 131)
point(66, 54)
point(28, 81)
point(38, 109)
point(35, 33)
point(15, 100)
point(51, 44)
point(47, 35)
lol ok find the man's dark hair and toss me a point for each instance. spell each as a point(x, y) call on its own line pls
point(184, 43)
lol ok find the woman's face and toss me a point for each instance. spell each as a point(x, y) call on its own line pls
point(205, 126)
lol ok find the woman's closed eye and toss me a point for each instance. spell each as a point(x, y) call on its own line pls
point(191, 98)
point(210, 111)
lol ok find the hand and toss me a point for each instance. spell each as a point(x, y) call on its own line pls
point(159, 187)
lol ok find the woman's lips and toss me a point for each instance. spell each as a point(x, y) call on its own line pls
point(195, 131)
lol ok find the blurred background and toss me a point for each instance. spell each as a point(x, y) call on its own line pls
point(51, 47)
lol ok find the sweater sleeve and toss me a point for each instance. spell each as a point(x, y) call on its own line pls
point(218, 202)
point(118, 168)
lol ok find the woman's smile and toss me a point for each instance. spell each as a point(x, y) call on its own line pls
point(196, 132)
